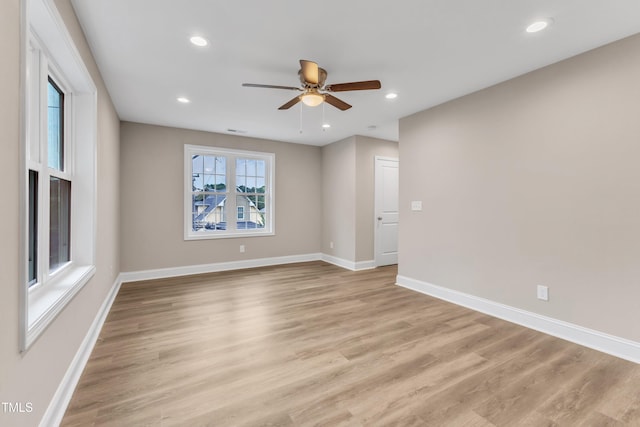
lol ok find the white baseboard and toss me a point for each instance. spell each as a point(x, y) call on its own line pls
point(58, 405)
point(616, 346)
point(163, 273)
point(365, 265)
point(349, 265)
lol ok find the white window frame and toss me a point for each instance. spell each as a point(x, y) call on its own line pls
point(231, 155)
point(238, 216)
point(48, 50)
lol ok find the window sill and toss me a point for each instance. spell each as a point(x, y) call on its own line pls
point(46, 302)
point(234, 235)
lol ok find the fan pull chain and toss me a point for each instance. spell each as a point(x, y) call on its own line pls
point(324, 129)
point(301, 117)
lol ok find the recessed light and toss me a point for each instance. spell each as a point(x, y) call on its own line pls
point(372, 127)
point(326, 125)
point(199, 41)
point(183, 100)
point(391, 95)
point(539, 25)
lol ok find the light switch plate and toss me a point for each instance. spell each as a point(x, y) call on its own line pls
point(543, 293)
point(416, 205)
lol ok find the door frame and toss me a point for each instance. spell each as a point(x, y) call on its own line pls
point(376, 237)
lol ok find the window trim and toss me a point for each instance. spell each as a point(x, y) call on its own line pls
point(240, 217)
point(58, 58)
point(230, 232)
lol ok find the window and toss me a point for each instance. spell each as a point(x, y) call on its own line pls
point(59, 223)
point(32, 235)
point(59, 194)
point(220, 181)
point(55, 125)
point(59, 188)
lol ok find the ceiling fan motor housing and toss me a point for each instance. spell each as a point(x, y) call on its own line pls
point(322, 76)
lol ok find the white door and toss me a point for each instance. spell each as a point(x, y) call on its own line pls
point(386, 211)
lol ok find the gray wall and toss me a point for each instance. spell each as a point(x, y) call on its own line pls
point(533, 181)
point(34, 376)
point(152, 213)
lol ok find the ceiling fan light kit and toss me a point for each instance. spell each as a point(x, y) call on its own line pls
point(314, 90)
point(312, 98)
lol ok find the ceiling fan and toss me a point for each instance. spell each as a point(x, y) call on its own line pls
point(314, 91)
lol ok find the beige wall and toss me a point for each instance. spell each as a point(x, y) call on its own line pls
point(34, 376)
point(348, 195)
point(338, 199)
point(9, 170)
point(152, 177)
point(321, 182)
point(366, 151)
point(533, 181)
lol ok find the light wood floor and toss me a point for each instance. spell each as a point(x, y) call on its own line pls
point(313, 344)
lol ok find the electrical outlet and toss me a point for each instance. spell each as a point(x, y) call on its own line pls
point(331, 245)
point(241, 249)
point(543, 293)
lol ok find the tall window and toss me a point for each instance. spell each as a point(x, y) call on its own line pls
point(220, 182)
point(49, 182)
point(58, 182)
point(59, 188)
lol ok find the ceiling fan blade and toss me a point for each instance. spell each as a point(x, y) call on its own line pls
point(309, 71)
point(271, 86)
point(366, 85)
point(338, 103)
point(290, 104)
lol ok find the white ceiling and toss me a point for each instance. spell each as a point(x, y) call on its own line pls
point(428, 51)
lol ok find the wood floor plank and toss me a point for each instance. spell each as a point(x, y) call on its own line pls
point(312, 344)
point(576, 401)
point(623, 402)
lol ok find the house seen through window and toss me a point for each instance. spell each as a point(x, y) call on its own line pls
point(222, 182)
